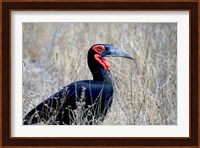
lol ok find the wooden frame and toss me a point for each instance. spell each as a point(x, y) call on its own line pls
point(7, 140)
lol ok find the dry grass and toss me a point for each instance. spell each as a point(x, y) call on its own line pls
point(54, 55)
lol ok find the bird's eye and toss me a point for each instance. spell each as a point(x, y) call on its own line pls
point(99, 48)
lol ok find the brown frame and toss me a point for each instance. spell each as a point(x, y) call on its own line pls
point(7, 140)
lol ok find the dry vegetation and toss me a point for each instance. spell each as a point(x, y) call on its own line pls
point(54, 55)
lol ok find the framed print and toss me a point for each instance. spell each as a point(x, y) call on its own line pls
point(100, 74)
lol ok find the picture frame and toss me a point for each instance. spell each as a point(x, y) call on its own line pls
point(8, 7)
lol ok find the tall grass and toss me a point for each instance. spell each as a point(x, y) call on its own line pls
point(55, 54)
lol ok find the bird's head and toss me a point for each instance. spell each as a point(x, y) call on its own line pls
point(100, 51)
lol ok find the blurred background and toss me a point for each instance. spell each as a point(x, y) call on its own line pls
point(55, 54)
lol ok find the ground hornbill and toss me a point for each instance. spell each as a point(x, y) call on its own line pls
point(81, 102)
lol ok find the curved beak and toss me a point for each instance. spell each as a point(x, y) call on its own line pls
point(112, 51)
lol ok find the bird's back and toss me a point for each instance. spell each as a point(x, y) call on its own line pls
point(82, 101)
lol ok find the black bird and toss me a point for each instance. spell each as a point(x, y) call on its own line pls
point(81, 102)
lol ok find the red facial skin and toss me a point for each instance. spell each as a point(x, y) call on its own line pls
point(99, 49)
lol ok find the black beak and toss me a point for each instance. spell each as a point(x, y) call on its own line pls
point(112, 51)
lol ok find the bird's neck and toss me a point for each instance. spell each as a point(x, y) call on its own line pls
point(102, 75)
point(98, 71)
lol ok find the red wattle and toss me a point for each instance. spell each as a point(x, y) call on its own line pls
point(102, 61)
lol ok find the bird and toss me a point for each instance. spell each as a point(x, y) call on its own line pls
point(81, 102)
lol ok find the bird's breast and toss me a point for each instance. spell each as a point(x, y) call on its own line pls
point(88, 91)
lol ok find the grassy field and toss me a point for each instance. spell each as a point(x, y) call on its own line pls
point(55, 54)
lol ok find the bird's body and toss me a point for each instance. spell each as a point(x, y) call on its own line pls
point(61, 104)
point(81, 102)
